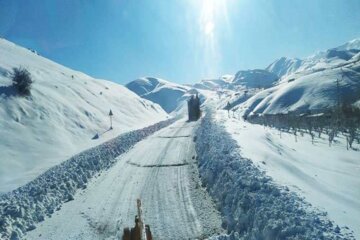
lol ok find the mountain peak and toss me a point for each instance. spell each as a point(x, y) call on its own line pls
point(353, 44)
point(284, 66)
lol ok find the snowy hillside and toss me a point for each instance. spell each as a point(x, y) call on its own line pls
point(172, 97)
point(314, 90)
point(284, 66)
point(64, 112)
point(255, 78)
point(166, 94)
point(224, 82)
point(353, 44)
point(313, 86)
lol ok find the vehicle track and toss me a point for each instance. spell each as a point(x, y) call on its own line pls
point(160, 171)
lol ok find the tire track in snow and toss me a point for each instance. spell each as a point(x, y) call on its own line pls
point(172, 204)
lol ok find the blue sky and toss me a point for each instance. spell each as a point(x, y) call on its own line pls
point(179, 40)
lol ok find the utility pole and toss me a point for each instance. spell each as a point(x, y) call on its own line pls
point(111, 115)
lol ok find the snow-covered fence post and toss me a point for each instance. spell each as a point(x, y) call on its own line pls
point(111, 115)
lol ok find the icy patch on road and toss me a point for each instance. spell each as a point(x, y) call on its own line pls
point(250, 202)
point(22, 208)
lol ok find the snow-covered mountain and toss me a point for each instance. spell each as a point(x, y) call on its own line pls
point(311, 83)
point(353, 44)
point(224, 82)
point(65, 111)
point(256, 78)
point(162, 92)
point(286, 66)
point(314, 89)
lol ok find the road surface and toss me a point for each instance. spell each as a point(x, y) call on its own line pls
point(161, 171)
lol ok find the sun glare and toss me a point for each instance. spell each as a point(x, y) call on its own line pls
point(209, 28)
point(208, 16)
point(213, 21)
point(212, 12)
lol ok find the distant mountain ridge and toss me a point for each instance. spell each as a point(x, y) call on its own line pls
point(312, 85)
point(160, 91)
point(285, 66)
point(256, 78)
point(286, 85)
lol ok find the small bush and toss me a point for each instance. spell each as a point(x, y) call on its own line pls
point(22, 81)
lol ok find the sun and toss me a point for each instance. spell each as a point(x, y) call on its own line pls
point(207, 16)
point(209, 28)
point(211, 12)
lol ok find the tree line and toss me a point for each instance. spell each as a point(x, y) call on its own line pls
point(344, 120)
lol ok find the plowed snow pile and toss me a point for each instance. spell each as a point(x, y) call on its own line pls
point(251, 203)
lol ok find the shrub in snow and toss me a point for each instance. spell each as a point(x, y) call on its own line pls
point(96, 136)
point(250, 202)
point(22, 81)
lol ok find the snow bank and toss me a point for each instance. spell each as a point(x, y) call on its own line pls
point(327, 177)
point(22, 208)
point(251, 203)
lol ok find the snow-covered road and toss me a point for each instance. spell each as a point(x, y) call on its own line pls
point(161, 170)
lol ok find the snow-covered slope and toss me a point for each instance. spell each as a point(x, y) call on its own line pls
point(224, 82)
point(284, 66)
point(165, 93)
point(353, 44)
point(64, 112)
point(255, 78)
point(312, 89)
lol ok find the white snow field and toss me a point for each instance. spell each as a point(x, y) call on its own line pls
point(166, 94)
point(271, 188)
point(161, 171)
point(64, 112)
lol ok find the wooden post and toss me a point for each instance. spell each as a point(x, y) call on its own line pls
point(111, 115)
